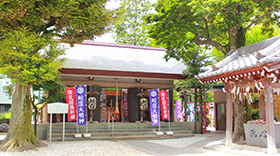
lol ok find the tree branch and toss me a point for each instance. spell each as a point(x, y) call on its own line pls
point(255, 21)
point(208, 41)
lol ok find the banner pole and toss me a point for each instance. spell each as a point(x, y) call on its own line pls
point(158, 111)
point(86, 108)
point(76, 111)
point(168, 109)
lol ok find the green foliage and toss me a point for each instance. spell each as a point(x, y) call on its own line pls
point(255, 114)
point(71, 20)
point(130, 27)
point(260, 32)
point(6, 116)
point(55, 88)
point(221, 24)
point(28, 58)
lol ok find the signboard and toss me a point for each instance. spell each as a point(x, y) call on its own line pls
point(92, 103)
point(70, 99)
point(81, 105)
point(164, 105)
point(154, 108)
point(57, 108)
point(143, 103)
point(178, 109)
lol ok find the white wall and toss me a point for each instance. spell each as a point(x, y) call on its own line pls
point(4, 98)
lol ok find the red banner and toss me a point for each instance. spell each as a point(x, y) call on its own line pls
point(70, 99)
point(164, 105)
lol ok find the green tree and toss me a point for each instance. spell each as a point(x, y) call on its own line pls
point(215, 23)
point(221, 24)
point(29, 54)
point(54, 91)
point(70, 20)
point(24, 59)
point(130, 28)
point(258, 30)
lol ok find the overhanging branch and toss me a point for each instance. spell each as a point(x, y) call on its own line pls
point(208, 41)
point(258, 19)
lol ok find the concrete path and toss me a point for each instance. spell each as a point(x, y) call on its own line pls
point(158, 149)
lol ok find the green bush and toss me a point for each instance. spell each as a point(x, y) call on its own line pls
point(6, 116)
point(255, 114)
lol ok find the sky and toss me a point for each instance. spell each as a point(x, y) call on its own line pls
point(107, 38)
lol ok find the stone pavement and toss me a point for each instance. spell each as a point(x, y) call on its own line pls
point(200, 144)
point(213, 145)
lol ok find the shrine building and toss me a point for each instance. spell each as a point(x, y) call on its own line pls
point(117, 77)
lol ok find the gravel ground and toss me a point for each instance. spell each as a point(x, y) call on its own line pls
point(81, 148)
point(102, 148)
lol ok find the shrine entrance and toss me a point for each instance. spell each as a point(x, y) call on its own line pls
point(116, 102)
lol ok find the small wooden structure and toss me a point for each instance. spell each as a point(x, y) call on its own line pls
point(254, 68)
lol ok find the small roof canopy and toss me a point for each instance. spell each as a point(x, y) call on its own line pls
point(254, 68)
point(247, 63)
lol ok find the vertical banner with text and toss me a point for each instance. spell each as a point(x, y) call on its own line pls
point(70, 99)
point(164, 105)
point(81, 104)
point(178, 109)
point(154, 107)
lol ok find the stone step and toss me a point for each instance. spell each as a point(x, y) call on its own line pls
point(117, 138)
point(122, 131)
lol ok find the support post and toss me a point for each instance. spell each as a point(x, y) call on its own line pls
point(186, 106)
point(271, 144)
point(117, 96)
point(262, 106)
point(229, 116)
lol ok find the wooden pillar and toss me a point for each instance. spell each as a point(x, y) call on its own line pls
point(271, 144)
point(186, 105)
point(229, 116)
point(262, 106)
point(117, 96)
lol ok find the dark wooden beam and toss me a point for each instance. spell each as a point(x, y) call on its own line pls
point(121, 73)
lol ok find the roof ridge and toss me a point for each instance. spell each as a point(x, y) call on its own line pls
point(91, 42)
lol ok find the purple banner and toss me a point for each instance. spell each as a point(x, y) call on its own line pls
point(81, 105)
point(178, 109)
point(154, 108)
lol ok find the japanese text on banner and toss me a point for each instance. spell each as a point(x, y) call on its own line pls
point(70, 99)
point(154, 107)
point(178, 109)
point(81, 105)
point(164, 105)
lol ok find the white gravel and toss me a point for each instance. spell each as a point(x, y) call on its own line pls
point(81, 148)
point(101, 148)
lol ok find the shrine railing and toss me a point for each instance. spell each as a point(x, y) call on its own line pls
point(112, 116)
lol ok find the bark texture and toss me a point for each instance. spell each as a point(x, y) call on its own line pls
point(20, 136)
point(240, 117)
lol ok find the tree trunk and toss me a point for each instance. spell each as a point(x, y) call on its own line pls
point(201, 112)
point(240, 117)
point(195, 111)
point(20, 136)
point(35, 120)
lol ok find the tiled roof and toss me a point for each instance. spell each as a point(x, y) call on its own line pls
point(117, 57)
point(260, 53)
